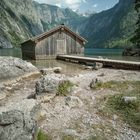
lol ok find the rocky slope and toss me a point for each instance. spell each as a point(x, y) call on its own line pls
point(23, 19)
point(18, 22)
point(111, 28)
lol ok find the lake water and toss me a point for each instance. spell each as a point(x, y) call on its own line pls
point(105, 53)
point(16, 52)
point(67, 68)
point(115, 54)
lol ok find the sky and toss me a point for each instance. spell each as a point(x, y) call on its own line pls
point(82, 5)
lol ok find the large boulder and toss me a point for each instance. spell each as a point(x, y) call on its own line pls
point(93, 83)
point(17, 121)
point(97, 65)
point(52, 84)
point(57, 69)
point(11, 67)
point(131, 52)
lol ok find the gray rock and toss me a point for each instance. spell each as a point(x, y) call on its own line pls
point(93, 83)
point(57, 69)
point(100, 57)
point(88, 67)
point(11, 67)
point(97, 65)
point(3, 92)
point(2, 95)
point(17, 121)
point(46, 71)
point(73, 101)
point(131, 52)
point(128, 99)
point(48, 83)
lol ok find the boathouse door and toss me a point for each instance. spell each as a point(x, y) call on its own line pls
point(61, 46)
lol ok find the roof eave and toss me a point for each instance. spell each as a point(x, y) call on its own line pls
point(35, 39)
point(27, 41)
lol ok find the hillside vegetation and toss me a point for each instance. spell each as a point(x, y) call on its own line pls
point(112, 28)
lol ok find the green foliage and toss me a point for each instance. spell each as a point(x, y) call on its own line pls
point(16, 39)
point(118, 43)
point(97, 138)
point(68, 137)
point(43, 136)
point(129, 111)
point(114, 85)
point(136, 38)
point(64, 88)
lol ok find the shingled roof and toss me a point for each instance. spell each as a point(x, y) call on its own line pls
point(36, 38)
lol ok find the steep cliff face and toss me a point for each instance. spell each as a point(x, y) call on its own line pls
point(111, 28)
point(22, 19)
point(51, 16)
point(18, 22)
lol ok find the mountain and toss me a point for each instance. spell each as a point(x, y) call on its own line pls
point(22, 19)
point(51, 16)
point(111, 28)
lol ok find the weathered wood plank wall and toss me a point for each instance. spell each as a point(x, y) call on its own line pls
point(48, 46)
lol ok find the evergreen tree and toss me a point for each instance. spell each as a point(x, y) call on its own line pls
point(136, 37)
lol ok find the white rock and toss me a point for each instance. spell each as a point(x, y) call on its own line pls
point(129, 99)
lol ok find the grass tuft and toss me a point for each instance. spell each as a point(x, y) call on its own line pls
point(68, 137)
point(43, 136)
point(114, 85)
point(128, 111)
point(64, 88)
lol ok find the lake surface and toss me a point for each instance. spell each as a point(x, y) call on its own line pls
point(16, 52)
point(68, 67)
point(115, 54)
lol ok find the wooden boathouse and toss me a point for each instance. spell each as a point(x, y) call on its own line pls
point(57, 41)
